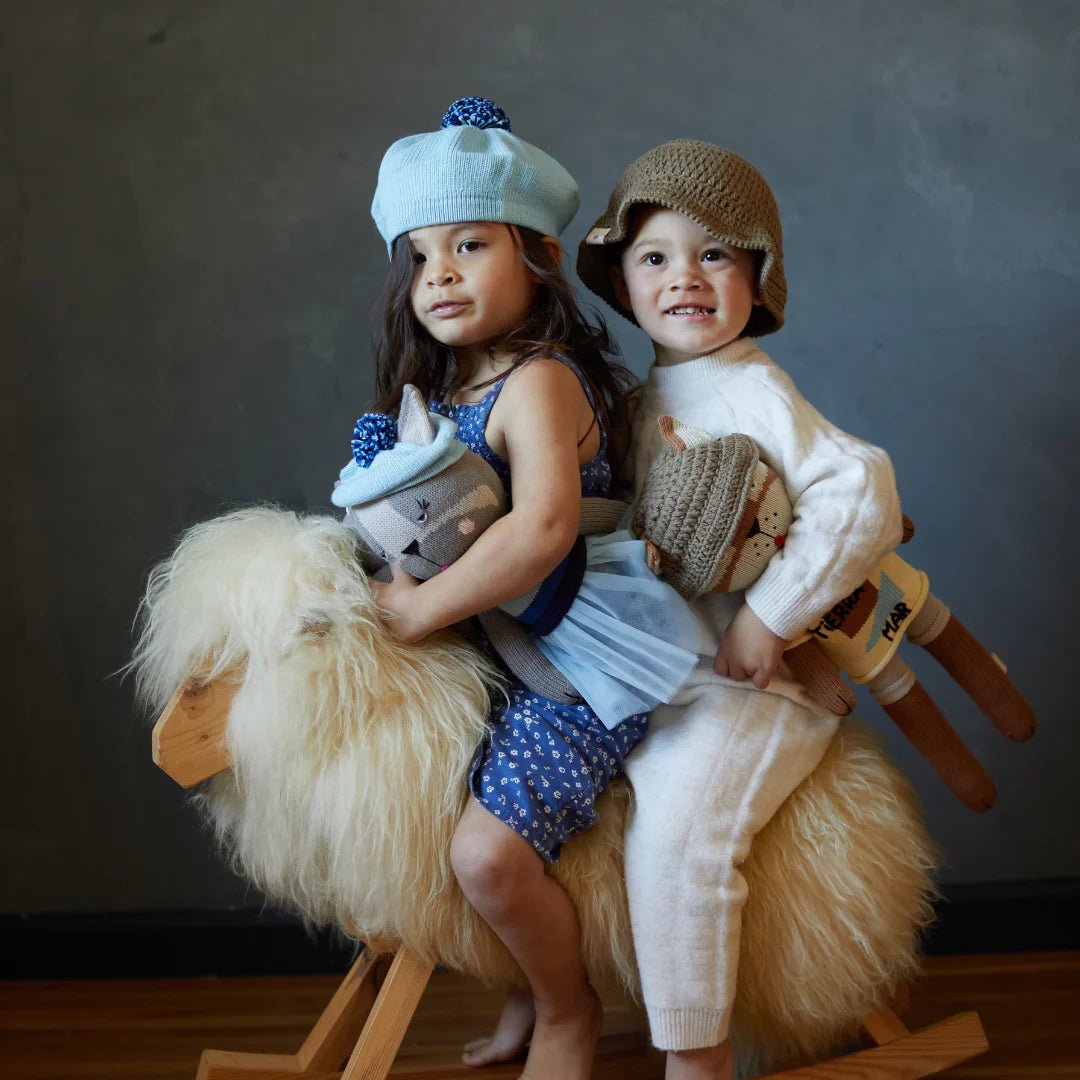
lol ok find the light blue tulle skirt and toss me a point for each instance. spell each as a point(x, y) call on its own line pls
point(629, 640)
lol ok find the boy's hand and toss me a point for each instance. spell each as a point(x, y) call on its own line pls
point(749, 649)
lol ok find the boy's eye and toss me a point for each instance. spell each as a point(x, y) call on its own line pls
point(470, 245)
point(715, 255)
point(654, 258)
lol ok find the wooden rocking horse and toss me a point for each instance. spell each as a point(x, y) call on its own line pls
point(283, 691)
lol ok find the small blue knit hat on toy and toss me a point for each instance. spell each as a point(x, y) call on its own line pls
point(390, 454)
point(472, 169)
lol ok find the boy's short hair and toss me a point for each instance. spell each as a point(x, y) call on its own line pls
point(719, 190)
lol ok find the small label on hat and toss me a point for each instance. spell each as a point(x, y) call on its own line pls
point(597, 236)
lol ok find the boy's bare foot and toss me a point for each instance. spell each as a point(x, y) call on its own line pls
point(564, 1044)
point(511, 1034)
point(708, 1063)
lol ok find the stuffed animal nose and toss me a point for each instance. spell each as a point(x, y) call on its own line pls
point(779, 540)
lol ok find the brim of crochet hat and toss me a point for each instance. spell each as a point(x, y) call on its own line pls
point(595, 257)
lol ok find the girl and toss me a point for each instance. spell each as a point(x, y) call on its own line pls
point(476, 313)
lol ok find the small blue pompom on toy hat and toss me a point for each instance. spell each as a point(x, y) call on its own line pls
point(477, 112)
point(474, 168)
point(373, 432)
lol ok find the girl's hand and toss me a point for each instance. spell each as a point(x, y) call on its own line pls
point(400, 598)
point(749, 649)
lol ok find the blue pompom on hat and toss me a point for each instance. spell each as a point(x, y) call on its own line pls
point(478, 112)
point(472, 169)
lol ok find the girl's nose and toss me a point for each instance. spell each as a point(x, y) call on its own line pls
point(440, 273)
point(444, 277)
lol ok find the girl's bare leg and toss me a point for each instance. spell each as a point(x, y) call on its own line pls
point(709, 1063)
point(511, 1034)
point(503, 878)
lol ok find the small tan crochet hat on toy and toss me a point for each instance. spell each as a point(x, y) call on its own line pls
point(719, 190)
point(693, 502)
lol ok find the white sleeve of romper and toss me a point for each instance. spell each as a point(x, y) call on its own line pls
point(843, 490)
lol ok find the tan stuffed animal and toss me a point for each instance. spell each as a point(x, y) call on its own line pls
point(714, 514)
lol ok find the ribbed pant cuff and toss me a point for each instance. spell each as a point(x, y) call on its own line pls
point(688, 1029)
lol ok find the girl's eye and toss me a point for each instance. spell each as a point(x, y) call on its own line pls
point(654, 258)
point(469, 245)
point(715, 255)
point(418, 258)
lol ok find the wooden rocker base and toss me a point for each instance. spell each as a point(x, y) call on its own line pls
point(368, 1016)
point(901, 1054)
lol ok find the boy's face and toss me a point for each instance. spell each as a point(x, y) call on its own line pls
point(689, 292)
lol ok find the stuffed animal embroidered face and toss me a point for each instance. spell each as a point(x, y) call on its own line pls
point(413, 493)
point(712, 513)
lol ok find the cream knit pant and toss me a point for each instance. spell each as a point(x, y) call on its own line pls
point(715, 766)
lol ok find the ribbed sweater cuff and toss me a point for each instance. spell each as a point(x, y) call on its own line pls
point(688, 1029)
point(784, 612)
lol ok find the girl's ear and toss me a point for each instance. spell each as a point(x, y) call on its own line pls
point(554, 248)
point(618, 284)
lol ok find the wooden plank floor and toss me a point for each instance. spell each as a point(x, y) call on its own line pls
point(155, 1029)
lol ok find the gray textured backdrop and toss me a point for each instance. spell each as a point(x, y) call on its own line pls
point(189, 264)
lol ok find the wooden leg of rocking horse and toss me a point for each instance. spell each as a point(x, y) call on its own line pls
point(326, 1046)
point(390, 1017)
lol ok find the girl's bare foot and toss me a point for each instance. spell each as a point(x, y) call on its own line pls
point(511, 1034)
point(564, 1043)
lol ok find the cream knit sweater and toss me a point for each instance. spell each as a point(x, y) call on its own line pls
point(847, 511)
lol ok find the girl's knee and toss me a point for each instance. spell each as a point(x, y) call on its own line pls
point(490, 861)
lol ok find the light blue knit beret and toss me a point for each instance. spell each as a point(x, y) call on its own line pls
point(472, 169)
point(382, 463)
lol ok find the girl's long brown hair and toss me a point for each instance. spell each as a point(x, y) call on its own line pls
point(406, 353)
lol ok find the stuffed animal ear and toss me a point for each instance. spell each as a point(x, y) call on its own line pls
point(680, 436)
point(414, 423)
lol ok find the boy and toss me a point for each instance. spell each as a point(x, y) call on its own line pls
point(690, 250)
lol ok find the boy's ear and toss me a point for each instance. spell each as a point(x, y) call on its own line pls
point(618, 284)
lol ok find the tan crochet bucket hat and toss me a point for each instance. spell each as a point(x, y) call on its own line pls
point(719, 190)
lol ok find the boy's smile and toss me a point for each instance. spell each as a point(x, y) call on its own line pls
point(690, 292)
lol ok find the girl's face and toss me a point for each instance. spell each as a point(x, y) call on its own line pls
point(688, 291)
point(471, 286)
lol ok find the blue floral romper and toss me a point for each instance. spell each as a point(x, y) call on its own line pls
point(544, 764)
